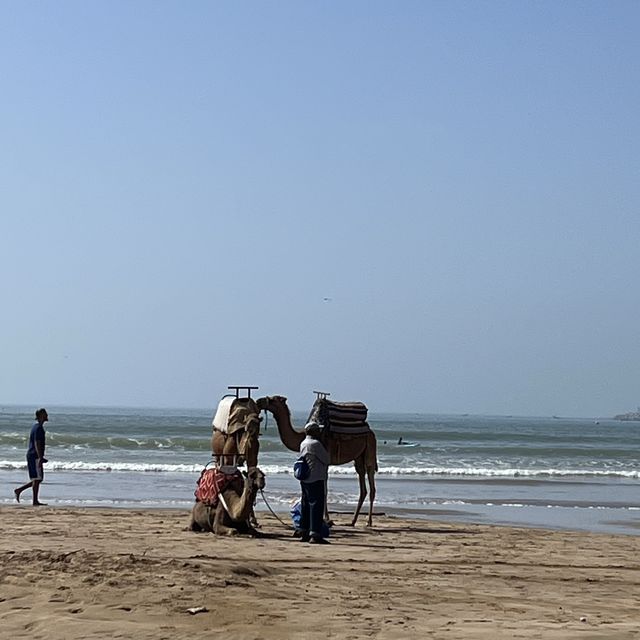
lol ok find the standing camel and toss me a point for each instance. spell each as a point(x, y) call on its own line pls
point(359, 448)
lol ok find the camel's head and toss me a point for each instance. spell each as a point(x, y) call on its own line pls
point(271, 402)
point(256, 478)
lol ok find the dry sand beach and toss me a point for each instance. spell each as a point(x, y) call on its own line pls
point(97, 573)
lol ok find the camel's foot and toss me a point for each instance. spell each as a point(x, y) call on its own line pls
point(225, 531)
point(353, 523)
point(195, 528)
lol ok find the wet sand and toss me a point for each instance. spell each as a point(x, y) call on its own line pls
point(118, 573)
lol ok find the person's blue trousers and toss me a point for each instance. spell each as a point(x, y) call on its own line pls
point(312, 508)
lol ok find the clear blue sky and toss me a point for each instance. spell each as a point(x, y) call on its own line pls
point(183, 184)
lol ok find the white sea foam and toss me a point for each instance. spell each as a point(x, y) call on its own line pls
point(130, 467)
point(486, 472)
point(344, 470)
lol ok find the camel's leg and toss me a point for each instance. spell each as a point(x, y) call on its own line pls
point(200, 519)
point(253, 521)
point(371, 475)
point(193, 525)
point(327, 517)
point(360, 470)
point(219, 528)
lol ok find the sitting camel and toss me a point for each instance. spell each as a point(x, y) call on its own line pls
point(231, 514)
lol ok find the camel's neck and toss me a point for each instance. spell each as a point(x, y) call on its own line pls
point(240, 509)
point(247, 499)
point(289, 436)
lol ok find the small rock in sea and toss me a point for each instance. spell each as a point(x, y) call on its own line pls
point(583, 619)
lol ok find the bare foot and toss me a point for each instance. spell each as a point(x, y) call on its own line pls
point(39, 504)
point(17, 495)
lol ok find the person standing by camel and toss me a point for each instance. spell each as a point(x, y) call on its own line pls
point(313, 487)
point(35, 458)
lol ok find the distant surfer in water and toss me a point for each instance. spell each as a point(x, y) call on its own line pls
point(400, 440)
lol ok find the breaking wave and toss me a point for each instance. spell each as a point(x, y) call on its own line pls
point(344, 470)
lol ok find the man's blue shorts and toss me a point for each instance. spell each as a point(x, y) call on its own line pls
point(36, 472)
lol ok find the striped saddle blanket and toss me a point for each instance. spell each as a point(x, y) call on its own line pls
point(341, 417)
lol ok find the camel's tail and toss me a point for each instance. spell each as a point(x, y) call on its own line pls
point(371, 455)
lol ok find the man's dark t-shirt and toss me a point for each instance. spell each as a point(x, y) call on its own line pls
point(36, 435)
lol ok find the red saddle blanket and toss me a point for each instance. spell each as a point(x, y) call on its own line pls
point(211, 483)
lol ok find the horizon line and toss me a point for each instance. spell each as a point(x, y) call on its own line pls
point(375, 412)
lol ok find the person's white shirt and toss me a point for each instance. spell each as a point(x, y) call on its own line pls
point(317, 457)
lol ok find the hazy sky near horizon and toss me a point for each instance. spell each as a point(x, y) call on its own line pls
point(426, 206)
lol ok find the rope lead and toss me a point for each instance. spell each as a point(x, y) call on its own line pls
point(273, 513)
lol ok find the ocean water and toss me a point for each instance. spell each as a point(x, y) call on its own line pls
point(570, 473)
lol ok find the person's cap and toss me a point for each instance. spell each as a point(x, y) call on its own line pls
point(312, 427)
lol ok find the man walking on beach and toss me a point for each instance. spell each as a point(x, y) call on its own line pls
point(35, 458)
point(313, 487)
